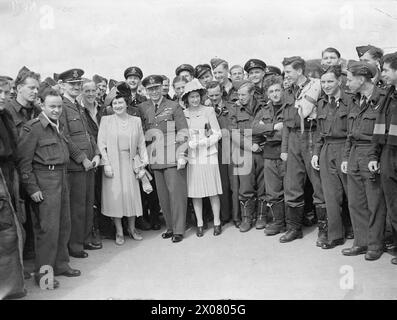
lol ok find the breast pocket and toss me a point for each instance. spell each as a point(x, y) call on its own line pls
point(324, 124)
point(243, 122)
point(341, 121)
point(49, 149)
point(75, 126)
point(368, 123)
point(350, 121)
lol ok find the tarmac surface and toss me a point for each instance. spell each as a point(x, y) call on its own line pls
point(233, 265)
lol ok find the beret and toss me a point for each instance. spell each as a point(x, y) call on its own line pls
point(272, 70)
point(98, 79)
point(72, 75)
point(184, 67)
point(133, 71)
point(254, 63)
point(215, 62)
point(361, 68)
point(201, 69)
point(152, 81)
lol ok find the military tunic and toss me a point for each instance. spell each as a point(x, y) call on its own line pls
point(166, 132)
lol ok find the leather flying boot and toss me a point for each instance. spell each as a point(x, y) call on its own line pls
point(294, 217)
point(247, 211)
point(322, 236)
point(262, 211)
point(277, 225)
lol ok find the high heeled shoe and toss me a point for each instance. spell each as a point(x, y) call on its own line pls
point(135, 235)
point(200, 231)
point(217, 230)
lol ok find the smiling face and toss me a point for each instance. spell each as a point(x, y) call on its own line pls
point(292, 75)
point(52, 107)
point(244, 96)
point(89, 92)
point(256, 75)
point(389, 74)
point(155, 93)
point(220, 73)
point(274, 93)
point(330, 83)
point(193, 99)
point(28, 90)
point(133, 82)
point(119, 106)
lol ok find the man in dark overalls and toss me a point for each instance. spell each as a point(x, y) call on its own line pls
point(43, 156)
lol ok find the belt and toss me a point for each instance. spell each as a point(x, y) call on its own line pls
point(51, 167)
point(334, 140)
point(361, 142)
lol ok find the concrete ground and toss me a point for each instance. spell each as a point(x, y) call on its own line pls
point(233, 265)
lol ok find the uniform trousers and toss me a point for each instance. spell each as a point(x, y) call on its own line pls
point(51, 220)
point(172, 192)
point(81, 184)
point(366, 200)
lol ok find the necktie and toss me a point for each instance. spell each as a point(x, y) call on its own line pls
point(333, 102)
point(218, 110)
point(156, 107)
point(363, 102)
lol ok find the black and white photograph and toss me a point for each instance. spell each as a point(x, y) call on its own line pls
point(221, 151)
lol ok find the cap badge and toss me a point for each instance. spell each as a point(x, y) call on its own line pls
point(151, 80)
point(133, 70)
point(252, 64)
point(75, 74)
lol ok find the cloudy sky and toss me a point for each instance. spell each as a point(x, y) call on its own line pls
point(106, 36)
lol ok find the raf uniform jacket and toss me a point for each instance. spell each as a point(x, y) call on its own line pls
point(241, 118)
point(361, 121)
point(165, 131)
point(263, 124)
point(20, 114)
point(81, 143)
point(331, 120)
point(39, 145)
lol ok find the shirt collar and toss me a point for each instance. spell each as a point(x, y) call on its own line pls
point(46, 121)
point(159, 102)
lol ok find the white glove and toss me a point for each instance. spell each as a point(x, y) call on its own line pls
point(193, 144)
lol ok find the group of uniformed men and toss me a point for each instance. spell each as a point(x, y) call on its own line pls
point(316, 142)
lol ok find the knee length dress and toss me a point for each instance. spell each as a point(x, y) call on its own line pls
point(203, 177)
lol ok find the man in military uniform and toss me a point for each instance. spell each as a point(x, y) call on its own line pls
point(332, 111)
point(23, 109)
point(204, 74)
point(372, 55)
point(269, 123)
point(220, 70)
point(166, 87)
point(11, 245)
point(186, 71)
point(255, 69)
point(299, 135)
point(366, 199)
point(42, 159)
point(166, 129)
point(251, 178)
point(222, 107)
point(383, 155)
point(237, 73)
point(84, 156)
point(101, 84)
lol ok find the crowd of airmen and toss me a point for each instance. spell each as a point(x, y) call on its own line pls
point(319, 139)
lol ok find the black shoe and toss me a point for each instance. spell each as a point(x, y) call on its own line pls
point(200, 232)
point(332, 244)
point(156, 226)
point(291, 235)
point(69, 273)
point(373, 255)
point(168, 234)
point(142, 224)
point(177, 238)
point(92, 246)
point(354, 251)
point(224, 222)
point(217, 230)
point(78, 254)
point(237, 223)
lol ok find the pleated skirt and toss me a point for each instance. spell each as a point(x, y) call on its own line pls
point(203, 179)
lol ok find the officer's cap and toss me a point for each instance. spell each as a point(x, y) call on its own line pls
point(254, 63)
point(201, 69)
point(269, 70)
point(152, 81)
point(133, 71)
point(184, 67)
point(72, 75)
point(361, 68)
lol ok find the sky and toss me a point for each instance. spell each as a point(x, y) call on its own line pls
point(107, 36)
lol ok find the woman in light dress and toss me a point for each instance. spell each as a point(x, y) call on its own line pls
point(120, 140)
point(203, 176)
